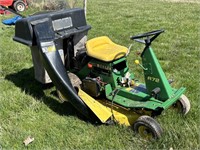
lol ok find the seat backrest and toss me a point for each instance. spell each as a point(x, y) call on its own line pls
point(95, 42)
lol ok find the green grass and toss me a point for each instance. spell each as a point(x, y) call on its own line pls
point(29, 108)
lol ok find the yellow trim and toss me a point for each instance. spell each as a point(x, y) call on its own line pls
point(122, 115)
point(104, 49)
point(99, 110)
point(104, 110)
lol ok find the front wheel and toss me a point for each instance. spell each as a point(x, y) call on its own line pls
point(19, 6)
point(183, 104)
point(147, 127)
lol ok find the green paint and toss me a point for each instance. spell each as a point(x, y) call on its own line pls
point(137, 96)
point(154, 75)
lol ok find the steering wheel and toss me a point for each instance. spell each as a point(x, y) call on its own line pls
point(147, 35)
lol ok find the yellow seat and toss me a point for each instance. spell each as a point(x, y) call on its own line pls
point(104, 49)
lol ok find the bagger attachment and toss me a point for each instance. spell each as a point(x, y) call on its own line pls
point(45, 34)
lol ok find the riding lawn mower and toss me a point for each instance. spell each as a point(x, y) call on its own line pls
point(94, 75)
point(15, 5)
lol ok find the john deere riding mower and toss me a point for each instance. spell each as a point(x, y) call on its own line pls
point(94, 75)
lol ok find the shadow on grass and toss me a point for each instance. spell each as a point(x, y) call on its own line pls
point(24, 79)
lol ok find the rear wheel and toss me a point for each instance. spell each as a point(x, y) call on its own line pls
point(76, 82)
point(19, 6)
point(62, 99)
point(183, 105)
point(147, 127)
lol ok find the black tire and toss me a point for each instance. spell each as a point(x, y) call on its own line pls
point(19, 6)
point(76, 82)
point(148, 128)
point(183, 105)
point(62, 99)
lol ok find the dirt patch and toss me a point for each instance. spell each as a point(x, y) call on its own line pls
point(183, 1)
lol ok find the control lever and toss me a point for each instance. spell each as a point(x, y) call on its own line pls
point(138, 63)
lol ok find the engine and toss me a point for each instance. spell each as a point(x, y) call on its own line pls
point(92, 86)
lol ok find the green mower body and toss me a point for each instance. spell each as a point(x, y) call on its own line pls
point(115, 81)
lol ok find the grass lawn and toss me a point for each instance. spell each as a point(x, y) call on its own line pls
point(30, 108)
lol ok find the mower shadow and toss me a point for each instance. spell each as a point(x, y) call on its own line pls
point(24, 79)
